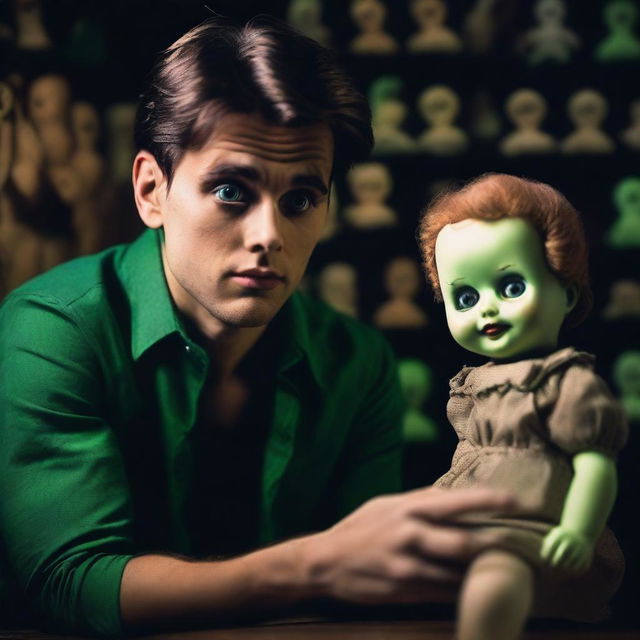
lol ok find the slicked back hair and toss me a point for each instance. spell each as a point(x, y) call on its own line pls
point(263, 67)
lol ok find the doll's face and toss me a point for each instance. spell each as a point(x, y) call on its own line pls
point(500, 297)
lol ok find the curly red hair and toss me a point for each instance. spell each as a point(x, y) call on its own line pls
point(493, 196)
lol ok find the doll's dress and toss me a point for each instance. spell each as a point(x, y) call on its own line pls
point(519, 424)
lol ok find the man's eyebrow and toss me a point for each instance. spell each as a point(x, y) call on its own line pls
point(228, 171)
point(310, 180)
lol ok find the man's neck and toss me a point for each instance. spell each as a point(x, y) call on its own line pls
point(229, 347)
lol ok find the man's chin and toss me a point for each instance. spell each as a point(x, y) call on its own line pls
point(249, 315)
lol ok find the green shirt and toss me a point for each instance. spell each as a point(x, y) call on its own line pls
point(99, 389)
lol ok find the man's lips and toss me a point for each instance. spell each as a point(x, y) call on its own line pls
point(258, 278)
point(495, 330)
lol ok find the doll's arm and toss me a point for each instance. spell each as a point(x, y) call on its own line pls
point(586, 508)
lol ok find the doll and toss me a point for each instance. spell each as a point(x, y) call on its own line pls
point(508, 257)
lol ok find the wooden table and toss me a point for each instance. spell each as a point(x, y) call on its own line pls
point(344, 630)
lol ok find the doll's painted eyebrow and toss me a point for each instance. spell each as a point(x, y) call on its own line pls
point(452, 283)
point(506, 266)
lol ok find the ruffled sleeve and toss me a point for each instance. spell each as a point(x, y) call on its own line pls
point(580, 412)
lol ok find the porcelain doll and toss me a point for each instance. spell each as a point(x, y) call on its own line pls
point(508, 257)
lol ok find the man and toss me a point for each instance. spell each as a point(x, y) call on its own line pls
point(175, 396)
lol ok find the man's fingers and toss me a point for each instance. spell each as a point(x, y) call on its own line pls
point(449, 543)
point(442, 504)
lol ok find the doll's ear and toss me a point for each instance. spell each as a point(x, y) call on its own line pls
point(572, 297)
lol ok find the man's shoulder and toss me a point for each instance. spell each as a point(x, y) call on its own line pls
point(81, 289)
point(71, 281)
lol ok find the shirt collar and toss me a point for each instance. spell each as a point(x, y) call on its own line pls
point(295, 320)
point(153, 315)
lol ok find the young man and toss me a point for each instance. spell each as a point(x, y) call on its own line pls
point(175, 396)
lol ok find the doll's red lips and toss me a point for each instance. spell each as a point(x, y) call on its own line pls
point(495, 330)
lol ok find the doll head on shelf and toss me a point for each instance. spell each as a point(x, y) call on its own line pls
point(508, 257)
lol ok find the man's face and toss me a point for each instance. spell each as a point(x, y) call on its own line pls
point(500, 297)
point(241, 219)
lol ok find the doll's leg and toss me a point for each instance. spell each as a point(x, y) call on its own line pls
point(496, 597)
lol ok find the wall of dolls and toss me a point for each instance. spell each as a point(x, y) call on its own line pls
point(544, 89)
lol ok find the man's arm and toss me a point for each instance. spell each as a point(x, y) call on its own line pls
point(394, 549)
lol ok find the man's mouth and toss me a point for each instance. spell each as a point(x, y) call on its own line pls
point(494, 331)
point(258, 278)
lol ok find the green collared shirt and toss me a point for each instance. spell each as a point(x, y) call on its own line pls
point(99, 390)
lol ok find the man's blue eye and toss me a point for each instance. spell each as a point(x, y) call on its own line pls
point(466, 298)
point(512, 287)
point(229, 193)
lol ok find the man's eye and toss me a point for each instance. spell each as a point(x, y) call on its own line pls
point(298, 201)
point(466, 298)
point(229, 193)
point(512, 287)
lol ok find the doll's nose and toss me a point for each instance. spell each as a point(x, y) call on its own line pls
point(489, 309)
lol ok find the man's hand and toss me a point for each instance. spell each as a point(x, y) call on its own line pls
point(402, 548)
point(395, 549)
point(566, 549)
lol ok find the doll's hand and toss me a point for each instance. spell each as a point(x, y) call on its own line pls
point(566, 549)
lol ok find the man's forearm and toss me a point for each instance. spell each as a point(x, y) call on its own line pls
point(399, 548)
point(162, 590)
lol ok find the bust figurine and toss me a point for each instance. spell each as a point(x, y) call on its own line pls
point(626, 374)
point(527, 109)
point(370, 184)
point(388, 114)
point(306, 17)
point(621, 43)
point(416, 380)
point(550, 41)
point(369, 17)
point(402, 281)
point(337, 284)
point(439, 106)
point(624, 300)
point(49, 109)
point(480, 26)
point(625, 231)
point(587, 109)
point(31, 33)
point(433, 36)
point(631, 135)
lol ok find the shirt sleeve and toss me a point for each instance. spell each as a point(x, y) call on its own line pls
point(371, 463)
point(583, 415)
point(65, 513)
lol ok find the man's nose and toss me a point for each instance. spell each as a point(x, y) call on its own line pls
point(263, 231)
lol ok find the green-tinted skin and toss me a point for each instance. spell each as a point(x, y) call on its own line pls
point(502, 301)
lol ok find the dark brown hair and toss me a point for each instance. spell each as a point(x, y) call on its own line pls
point(263, 66)
point(493, 196)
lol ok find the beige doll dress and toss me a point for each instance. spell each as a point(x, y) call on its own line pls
point(519, 424)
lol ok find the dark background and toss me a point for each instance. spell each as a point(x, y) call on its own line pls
point(125, 35)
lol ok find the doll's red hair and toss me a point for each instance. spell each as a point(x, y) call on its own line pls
point(493, 196)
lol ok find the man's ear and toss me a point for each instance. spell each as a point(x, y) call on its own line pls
point(149, 189)
point(572, 297)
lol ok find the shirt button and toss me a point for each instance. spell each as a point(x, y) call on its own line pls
point(187, 348)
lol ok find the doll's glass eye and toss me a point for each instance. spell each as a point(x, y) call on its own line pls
point(512, 287)
point(466, 298)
